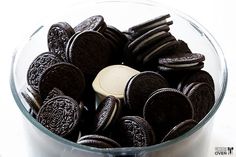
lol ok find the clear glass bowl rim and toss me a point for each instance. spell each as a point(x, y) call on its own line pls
point(131, 150)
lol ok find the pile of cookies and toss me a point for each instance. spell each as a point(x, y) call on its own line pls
point(101, 87)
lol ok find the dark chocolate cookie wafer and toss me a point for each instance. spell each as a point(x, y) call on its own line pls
point(134, 131)
point(64, 76)
point(53, 93)
point(68, 46)
point(196, 76)
point(181, 60)
point(94, 143)
point(90, 52)
point(189, 87)
point(140, 87)
point(128, 35)
point(93, 23)
point(98, 141)
point(180, 129)
point(182, 47)
point(203, 98)
point(172, 77)
point(150, 24)
point(117, 33)
point(38, 66)
point(117, 41)
point(58, 36)
point(107, 113)
point(60, 115)
point(179, 68)
point(33, 98)
point(166, 108)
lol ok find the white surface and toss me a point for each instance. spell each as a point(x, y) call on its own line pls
point(20, 18)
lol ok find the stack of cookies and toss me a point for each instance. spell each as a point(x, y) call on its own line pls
point(96, 84)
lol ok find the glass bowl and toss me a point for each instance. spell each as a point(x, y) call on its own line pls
point(121, 14)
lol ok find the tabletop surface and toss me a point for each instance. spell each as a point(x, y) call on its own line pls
point(20, 18)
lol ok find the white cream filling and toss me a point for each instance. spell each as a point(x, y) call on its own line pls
point(181, 65)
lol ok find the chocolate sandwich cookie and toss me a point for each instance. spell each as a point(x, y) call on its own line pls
point(78, 131)
point(158, 50)
point(180, 129)
point(139, 87)
point(106, 114)
point(98, 141)
point(61, 115)
point(33, 98)
point(165, 108)
point(179, 69)
point(150, 24)
point(144, 47)
point(181, 61)
point(134, 131)
point(182, 47)
point(113, 42)
point(203, 98)
point(117, 41)
point(189, 87)
point(89, 51)
point(173, 77)
point(117, 33)
point(58, 36)
point(196, 76)
point(147, 58)
point(38, 66)
point(144, 44)
point(64, 76)
point(93, 23)
point(53, 93)
point(148, 38)
point(68, 46)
